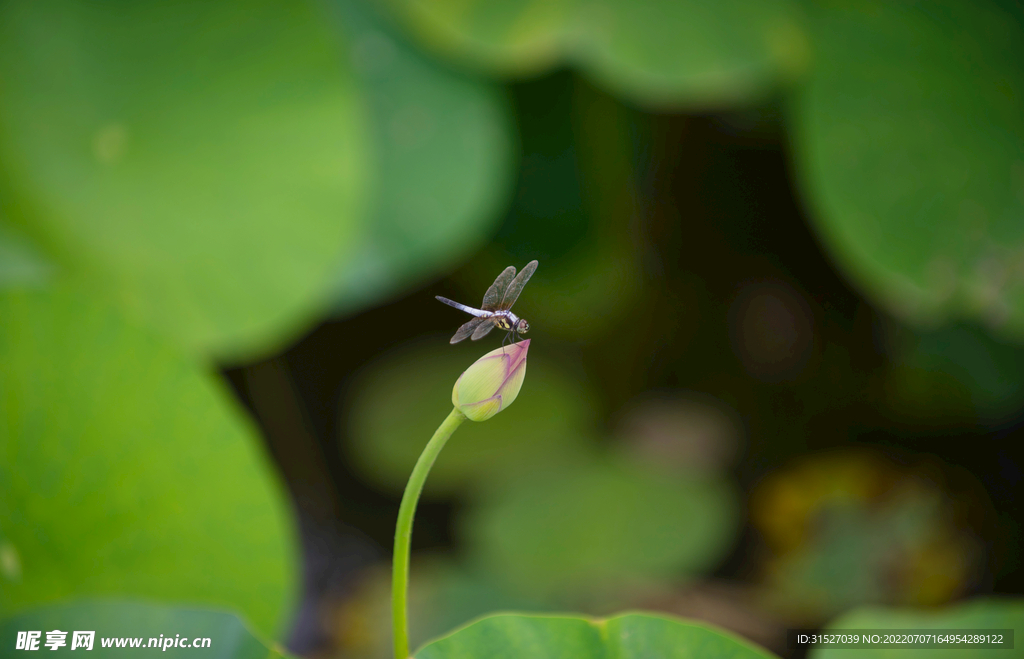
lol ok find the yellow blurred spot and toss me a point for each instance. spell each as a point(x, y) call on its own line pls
point(785, 504)
point(851, 527)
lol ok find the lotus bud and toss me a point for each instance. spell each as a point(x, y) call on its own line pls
point(492, 382)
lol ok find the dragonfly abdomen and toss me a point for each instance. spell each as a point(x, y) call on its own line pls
point(462, 307)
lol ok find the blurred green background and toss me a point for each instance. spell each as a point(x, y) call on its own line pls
point(777, 370)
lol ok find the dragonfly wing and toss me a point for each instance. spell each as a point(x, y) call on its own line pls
point(493, 295)
point(516, 287)
point(467, 329)
point(483, 330)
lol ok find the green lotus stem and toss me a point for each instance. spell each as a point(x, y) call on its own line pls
point(403, 531)
point(487, 387)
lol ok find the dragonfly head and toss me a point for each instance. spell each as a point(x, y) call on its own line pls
point(522, 326)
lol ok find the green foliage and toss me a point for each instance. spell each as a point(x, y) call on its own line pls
point(909, 129)
point(398, 403)
point(229, 637)
point(629, 636)
point(203, 161)
point(209, 178)
point(851, 561)
point(21, 262)
point(126, 470)
point(570, 532)
point(202, 169)
point(850, 527)
point(662, 54)
point(981, 614)
point(910, 135)
point(443, 158)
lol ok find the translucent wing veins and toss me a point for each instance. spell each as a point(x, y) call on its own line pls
point(516, 287)
point(467, 329)
point(494, 294)
point(482, 330)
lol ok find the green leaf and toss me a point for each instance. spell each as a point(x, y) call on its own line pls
point(229, 637)
point(910, 143)
point(627, 636)
point(975, 614)
point(585, 529)
point(398, 403)
point(202, 161)
point(126, 470)
point(663, 54)
point(21, 261)
point(443, 157)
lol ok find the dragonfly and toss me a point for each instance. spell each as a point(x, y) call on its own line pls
point(496, 309)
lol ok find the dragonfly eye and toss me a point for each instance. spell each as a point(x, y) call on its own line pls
point(524, 326)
